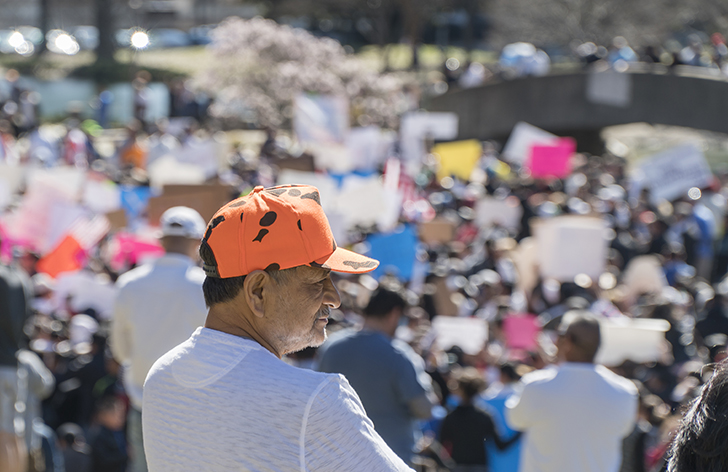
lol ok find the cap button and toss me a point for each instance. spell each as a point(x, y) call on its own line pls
point(258, 188)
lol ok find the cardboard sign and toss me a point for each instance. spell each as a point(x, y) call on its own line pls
point(117, 220)
point(303, 163)
point(417, 126)
point(640, 340)
point(396, 252)
point(458, 158)
point(470, 334)
point(205, 199)
point(438, 231)
point(522, 138)
point(552, 161)
point(521, 331)
point(571, 245)
point(320, 118)
point(670, 174)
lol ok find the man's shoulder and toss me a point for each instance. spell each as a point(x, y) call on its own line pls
point(618, 383)
point(132, 276)
point(540, 377)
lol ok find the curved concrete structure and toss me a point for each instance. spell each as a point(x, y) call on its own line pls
point(581, 104)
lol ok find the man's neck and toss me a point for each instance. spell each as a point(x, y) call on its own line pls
point(221, 318)
point(380, 325)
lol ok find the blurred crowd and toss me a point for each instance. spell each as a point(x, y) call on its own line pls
point(76, 413)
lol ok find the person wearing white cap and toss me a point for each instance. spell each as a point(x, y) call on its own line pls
point(158, 306)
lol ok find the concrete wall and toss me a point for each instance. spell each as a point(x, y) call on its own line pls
point(587, 102)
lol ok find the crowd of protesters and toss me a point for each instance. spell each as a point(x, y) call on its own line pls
point(80, 408)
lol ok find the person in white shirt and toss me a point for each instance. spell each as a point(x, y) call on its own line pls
point(574, 415)
point(158, 306)
point(224, 399)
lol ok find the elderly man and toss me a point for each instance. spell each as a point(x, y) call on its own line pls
point(158, 306)
point(224, 400)
point(575, 415)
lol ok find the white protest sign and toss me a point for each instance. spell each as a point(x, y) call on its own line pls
point(101, 196)
point(639, 340)
point(643, 274)
point(364, 201)
point(416, 126)
point(467, 333)
point(671, 173)
point(68, 180)
point(522, 138)
point(334, 157)
point(367, 147)
point(167, 170)
point(11, 179)
point(320, 118)
point(609, 88)
point(571, 245)
point(492, 211)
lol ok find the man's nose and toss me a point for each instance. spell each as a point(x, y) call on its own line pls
point(331, 295)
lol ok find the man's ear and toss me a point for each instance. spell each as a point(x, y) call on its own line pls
point(255, 288)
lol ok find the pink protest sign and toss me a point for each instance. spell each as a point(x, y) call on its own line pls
point(521, 331)
point(547, 161)
point(129, 249)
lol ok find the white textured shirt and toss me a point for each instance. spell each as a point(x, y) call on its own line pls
point(574, 417)
point(158, 306)
point(219, 402)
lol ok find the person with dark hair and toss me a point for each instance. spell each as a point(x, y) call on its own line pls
point(387, 374)
point(107, 440)
point(225, 399)
point(575, 415)
point(701, 443)
point(158, 305)
point(76, 453)
point(467, 429)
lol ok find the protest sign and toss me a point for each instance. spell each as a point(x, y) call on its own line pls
point(68, 181)
point(522, 138)
point(571, 245)
point(101, 196)
point(437, 231)
point(609, 88)
point(303, 163)
point(368, 147)
point(11, 179)
point(490, 211)
point(320, 118)
point(128, 249)
point(671, 173)
point(467, 333)
point(643, 274)
point(525, 257)
point(134, 200)
point(552, 160)
point(457, 158)
point(205, 199)
point(83, 290)
point(396, 252)
point(639, 340)
point(167, 170)
point(334, 157)
point(417, 126)
point(68, 256)
point(521, 331)
point(379, 206)
point(444, 305)
point(117, 220)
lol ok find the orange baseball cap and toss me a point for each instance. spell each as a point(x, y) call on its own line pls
point(275, 228)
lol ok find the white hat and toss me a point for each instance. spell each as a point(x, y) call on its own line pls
point(182, 221)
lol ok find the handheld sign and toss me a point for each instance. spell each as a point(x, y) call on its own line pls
point(671, 173)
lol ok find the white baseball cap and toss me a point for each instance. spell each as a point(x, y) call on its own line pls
point(182, 221)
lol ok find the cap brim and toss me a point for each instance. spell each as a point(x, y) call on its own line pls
point(343, 260)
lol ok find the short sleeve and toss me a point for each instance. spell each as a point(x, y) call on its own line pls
point(337, 435)
point(411, 380)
